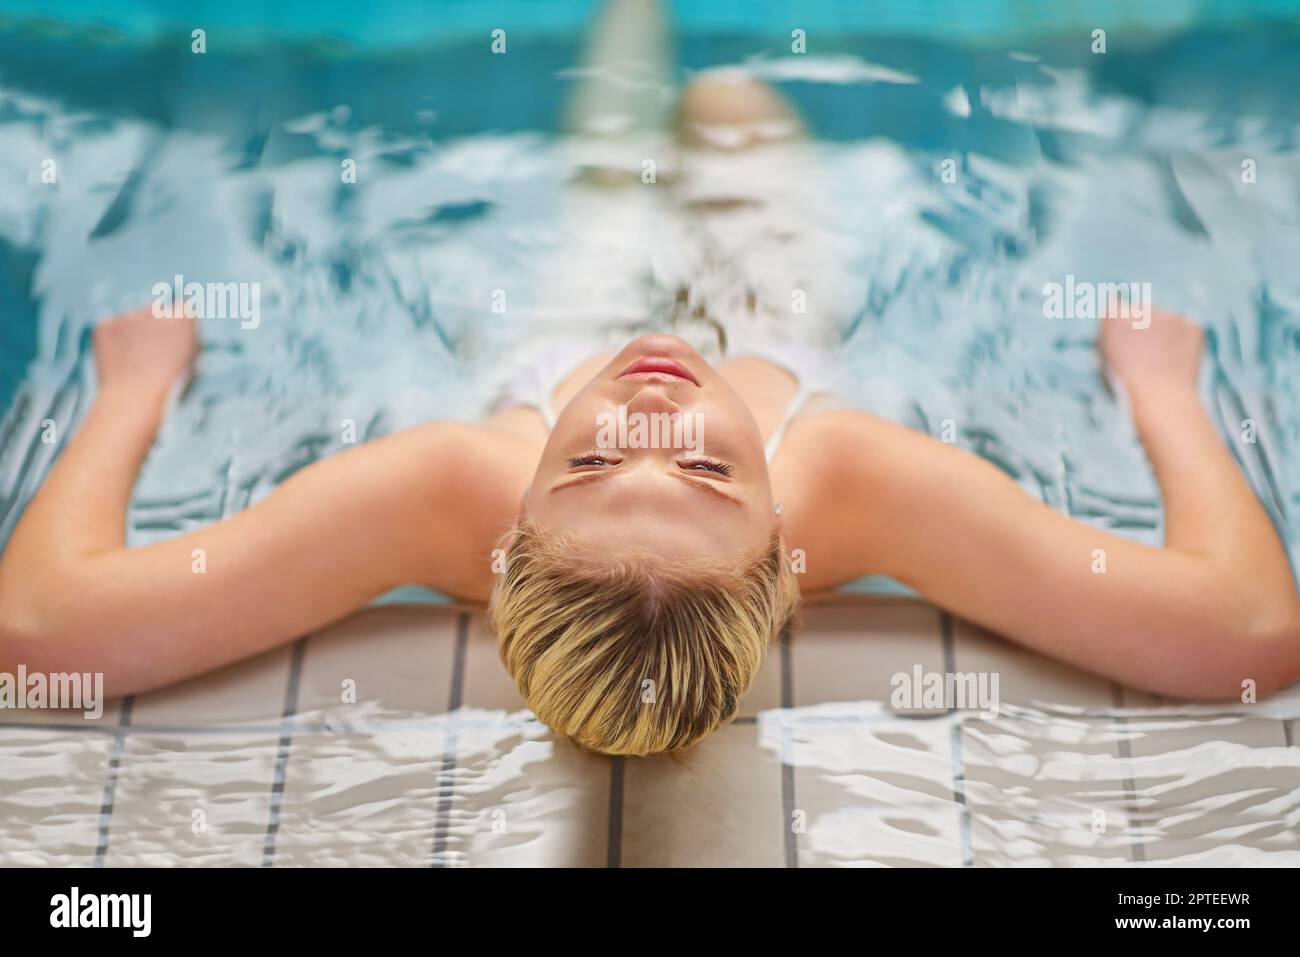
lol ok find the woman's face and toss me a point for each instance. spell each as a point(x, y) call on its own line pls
point(657, 452)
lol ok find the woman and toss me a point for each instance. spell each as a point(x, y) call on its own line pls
point(635, 585)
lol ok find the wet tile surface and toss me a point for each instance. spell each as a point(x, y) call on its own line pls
point(397, 738)
point(193, 798)
point(717, 803)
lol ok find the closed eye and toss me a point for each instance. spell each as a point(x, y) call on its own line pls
point(601, 473)
point(602, 460)
point(706, 465)
point(592, 459)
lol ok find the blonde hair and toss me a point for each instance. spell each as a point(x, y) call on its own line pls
point(633, 654)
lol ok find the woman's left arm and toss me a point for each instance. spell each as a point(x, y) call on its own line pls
point(422, 506)
point(1215, 607)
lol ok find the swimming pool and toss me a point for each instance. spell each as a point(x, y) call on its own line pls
point(1122, 166)
point(1069, 165)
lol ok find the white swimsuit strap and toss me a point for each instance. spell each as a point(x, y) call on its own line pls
point(792, 410)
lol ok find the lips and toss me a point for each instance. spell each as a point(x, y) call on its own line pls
point(659, 365)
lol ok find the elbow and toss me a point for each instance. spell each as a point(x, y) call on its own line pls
point(19, 619)
point(1275, 642)
point(1256, 658)
point(20, 633)
point(33, 613)
point(50, 636)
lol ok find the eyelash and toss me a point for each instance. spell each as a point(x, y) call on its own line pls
point(710, 465)
point(589, 458)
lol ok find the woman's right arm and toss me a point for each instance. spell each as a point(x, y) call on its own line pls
point(422, 506)
point(1213, 612)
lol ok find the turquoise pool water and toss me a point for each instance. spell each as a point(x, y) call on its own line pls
point(1122, 166)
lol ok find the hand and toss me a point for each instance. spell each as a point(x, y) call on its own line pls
point(137, 351)
point(1165, 353)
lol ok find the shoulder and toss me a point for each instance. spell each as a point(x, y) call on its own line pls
point(453, 490)
point(451, 472)
point(855, 489)
point(844, 468)
point(466, 459)
point(838, 445)
point(846, 464)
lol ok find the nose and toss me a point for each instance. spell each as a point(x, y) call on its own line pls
point(651, 401)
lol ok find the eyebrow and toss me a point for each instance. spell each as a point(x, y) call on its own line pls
point(703, 485)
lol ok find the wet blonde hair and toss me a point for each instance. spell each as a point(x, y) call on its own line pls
point(633, 654)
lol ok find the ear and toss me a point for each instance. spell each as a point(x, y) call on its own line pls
point(521, 520)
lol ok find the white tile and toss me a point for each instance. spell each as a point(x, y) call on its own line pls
point(524, 796)
point(192, 799)
point(1228, 787)
point(1046, 790)
point(250, 691)
point(361, 799)
point(872, 788)
point(852, 652)
point(717, 804)
point(51, 792)
point(395, 659)
point(1024, 676)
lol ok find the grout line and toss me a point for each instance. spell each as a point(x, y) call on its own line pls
point(956, 754)
point(1288, 734)
point(787, 670)
point(614, 846)
point(948, 640)
point(458, 663)
point(1130, 787)
point(110, 786)
point(282, 750)
point(790, 839)
point(447, 773)
point(148, 729)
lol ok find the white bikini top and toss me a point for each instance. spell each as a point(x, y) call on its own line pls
point(791, 412)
